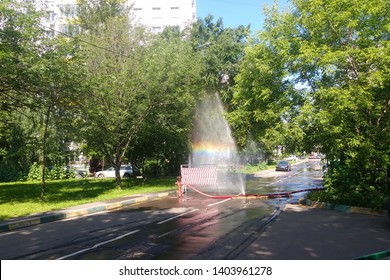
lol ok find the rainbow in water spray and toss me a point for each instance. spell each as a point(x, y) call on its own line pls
point(212, 153)
point(213, 144)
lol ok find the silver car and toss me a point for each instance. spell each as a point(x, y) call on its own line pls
point(126, 171)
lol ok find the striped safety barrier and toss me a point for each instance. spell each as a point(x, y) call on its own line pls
point(196, 176)
point(199, 175)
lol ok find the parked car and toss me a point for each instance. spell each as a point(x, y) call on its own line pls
point(283, 165)
point(291, 157)
point(126, 171)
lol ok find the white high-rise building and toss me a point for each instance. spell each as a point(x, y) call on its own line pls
point(158, 14)
point(59, 14)
point(154, 14)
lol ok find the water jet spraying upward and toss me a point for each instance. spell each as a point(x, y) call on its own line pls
point(213, 169)
point(213, 145)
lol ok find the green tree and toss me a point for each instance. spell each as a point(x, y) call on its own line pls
point(20, 34)
point(38, 82)
point(17, 31)
point(350, 49)
point(135, 81)
point(265, 103)
point(338, 51)
point(165, 136)
point(221, 49)
point(57, 80)
point(93, 14)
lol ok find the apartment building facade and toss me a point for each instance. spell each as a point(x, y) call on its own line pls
point(154, 14)
point(158, 14)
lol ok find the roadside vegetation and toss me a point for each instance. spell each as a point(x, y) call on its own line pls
point(253, 168)
point(367, 198)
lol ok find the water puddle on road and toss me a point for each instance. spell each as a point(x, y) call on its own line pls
point(187, 236)
point(203, 237)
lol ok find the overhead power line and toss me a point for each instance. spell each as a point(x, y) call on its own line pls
point(44, 28)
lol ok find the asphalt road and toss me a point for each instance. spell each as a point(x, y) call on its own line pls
point(195, 227)
point(165, 229)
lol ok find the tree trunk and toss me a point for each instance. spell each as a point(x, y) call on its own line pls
point(118, 179)
point(45, 133)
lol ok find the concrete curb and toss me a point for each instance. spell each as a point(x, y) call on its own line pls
point(81, 210)
point(344, 208)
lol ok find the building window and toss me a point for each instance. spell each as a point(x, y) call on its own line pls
point(53, 16)
point(68, 10)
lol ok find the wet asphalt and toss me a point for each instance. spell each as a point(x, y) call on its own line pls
point(308, 233)
point(298, 232)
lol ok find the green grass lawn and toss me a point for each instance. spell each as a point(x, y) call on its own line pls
point(251, 169)
point(22, 198)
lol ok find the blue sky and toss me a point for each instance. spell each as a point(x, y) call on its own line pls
point(236, 12)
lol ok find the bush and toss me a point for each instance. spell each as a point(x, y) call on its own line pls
point(370, 199)
point(250, 169)
point(151, 168)
point(344, 187)
point(35, 172)
point(57, 172)
point(9, 173)
point(158, 168)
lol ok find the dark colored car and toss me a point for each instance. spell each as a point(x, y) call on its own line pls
point(283, 165)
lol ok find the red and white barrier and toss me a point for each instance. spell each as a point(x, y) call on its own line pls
point(196, 176)
point(199, 175)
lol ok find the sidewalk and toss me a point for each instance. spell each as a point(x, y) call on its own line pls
point(314, 233)
point(80, 210)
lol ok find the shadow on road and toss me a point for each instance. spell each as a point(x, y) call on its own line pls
point(303, 233)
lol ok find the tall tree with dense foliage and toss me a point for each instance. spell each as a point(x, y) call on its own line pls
point(339, 51)
point(163, 141)
point(134, 79)
point(20, 36)
point(16, 33)
point(221, 49)
point(265, 103)
point(38, 86)
point(57, 81)
point(93, 14)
